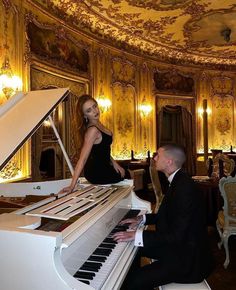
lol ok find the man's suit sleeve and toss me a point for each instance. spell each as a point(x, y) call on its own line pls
point(175, 217)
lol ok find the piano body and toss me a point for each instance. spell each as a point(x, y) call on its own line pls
point(62, 241)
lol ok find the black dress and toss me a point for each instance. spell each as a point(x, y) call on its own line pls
point(98, 168)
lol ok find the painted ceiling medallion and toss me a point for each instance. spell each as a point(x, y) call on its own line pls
point(178, 31)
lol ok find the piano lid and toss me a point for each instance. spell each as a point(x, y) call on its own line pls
point(22, 115)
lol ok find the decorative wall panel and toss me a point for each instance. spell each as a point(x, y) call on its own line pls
point(102, 90)
point(124, 127)
point(123, 70)
point(123, 104)
point(221, 111)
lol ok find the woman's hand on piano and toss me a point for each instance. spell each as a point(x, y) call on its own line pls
point(67, 189)
point(127, 236)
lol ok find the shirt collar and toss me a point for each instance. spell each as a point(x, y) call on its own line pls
point(170, 178)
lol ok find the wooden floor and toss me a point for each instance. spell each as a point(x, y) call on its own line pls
point(220, 278)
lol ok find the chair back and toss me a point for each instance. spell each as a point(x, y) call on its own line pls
point(209, 166)
point(227, 187)
point(155, 184)
point(222, 166)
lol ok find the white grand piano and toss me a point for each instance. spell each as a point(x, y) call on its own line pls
point(61, 242)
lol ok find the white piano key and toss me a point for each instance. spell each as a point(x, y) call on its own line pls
point(107, 266)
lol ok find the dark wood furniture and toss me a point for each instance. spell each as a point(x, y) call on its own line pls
point(137, 164)
point(212, 198)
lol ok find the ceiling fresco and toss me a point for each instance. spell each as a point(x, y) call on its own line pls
point(179, 31)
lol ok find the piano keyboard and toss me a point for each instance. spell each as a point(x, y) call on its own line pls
point(96, 269)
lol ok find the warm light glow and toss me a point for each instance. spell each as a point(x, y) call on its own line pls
point(145, 109)
point(126, 156)
point(141, 155)
point(200, 158)
point(201, 151)
point(104, 104)
point(201, 111)
point(11, 171)
point(9, 83)
point(18, 176)
point(46, 123)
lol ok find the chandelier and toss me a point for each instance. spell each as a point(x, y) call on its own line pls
point(9, 83)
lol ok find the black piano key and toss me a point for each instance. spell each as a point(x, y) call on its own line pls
point(102, 252)
point(89, 268)
point(107, 246)
point(97, 258)
point(93, 264)
point(109, 240)
point(84, 281)
point(115, 231)
point(85, 275)
point(131, 213)
point(120, 228)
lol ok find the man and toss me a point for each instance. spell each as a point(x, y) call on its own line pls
point(178, 245)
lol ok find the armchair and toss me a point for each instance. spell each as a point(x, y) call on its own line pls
point(221, 165)
point(155, 184)
point(226, 222)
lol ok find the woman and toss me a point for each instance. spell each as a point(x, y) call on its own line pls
point(99, 167)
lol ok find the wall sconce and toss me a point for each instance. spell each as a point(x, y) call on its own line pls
point(201, 111)
point(104, 104)
point(9, 83)
point(145, 110)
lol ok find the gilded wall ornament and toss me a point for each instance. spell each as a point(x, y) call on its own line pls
point(223, 124)
point(222, 86)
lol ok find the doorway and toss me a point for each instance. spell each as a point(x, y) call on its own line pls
point(175, 126)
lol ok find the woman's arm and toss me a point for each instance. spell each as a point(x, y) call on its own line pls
point(91, 135)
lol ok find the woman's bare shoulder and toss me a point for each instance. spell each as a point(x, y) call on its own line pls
point(92, 128)
point(92, 131)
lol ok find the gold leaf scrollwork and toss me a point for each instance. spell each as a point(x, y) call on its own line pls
point(10, 171)
point(223, 124)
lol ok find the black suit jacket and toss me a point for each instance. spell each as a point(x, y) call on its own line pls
point(180, 238)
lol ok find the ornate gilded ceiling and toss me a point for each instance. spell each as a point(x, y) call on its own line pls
point(178, 31)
